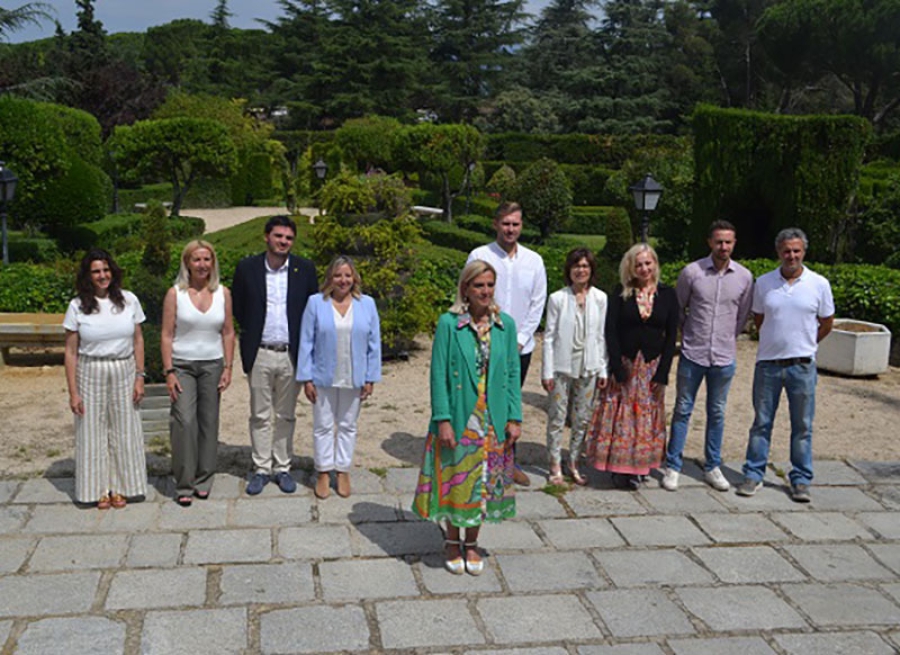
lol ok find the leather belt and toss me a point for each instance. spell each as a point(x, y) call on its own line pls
point(276, 347)
point(790, 361)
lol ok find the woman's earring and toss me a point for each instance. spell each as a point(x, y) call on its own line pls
point(465, 306)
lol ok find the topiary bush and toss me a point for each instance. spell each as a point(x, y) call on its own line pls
point(81, 195)
point(543, 191)
point(502, 183)
point(36, 250)
point(28, 288)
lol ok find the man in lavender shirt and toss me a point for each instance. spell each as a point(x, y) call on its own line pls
point(715, 294)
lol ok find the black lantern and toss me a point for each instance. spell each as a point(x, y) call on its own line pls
point(321, 169)
point(8, 182)
point(646, 196)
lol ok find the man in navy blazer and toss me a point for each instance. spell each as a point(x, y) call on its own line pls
point(269, 294)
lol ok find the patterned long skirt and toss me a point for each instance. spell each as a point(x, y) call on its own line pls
point(471, 483)
point(627, 433)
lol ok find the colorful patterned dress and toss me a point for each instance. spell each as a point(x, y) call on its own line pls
point(471, 483)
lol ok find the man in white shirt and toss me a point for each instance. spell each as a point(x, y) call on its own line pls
point(269, 294)
point(521, 286)
point(793, 309)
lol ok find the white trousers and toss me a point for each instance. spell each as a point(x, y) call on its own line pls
point(335, 416)
point(273, 405)
point(109, 441)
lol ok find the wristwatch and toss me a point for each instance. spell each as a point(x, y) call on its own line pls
point(168, 372)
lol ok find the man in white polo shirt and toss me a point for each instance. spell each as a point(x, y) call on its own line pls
point(521, 286)
point(793, 309)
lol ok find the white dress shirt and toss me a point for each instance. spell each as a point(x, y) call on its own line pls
point(275, 329)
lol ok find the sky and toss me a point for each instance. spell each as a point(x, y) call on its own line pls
point(138, 15)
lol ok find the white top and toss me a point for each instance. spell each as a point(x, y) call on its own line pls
point(521, 288)
point(343, 370)
point(560, 335)
point(275, 329)
point(109, 332)
point(791, 313)
point(578, 338)
point(198, 335)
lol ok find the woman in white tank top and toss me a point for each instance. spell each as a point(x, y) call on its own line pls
point(197, 346)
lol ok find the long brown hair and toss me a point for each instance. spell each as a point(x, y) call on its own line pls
point(85, 286)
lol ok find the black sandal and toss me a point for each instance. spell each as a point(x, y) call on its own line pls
point(184, 501)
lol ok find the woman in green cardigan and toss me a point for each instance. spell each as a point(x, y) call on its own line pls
point(476, 415)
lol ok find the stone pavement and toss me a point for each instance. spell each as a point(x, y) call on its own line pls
point(596, 571)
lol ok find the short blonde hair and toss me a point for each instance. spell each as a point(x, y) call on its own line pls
point(628, 265)
point(470, 271)
point(183, 279)
point(327, 287)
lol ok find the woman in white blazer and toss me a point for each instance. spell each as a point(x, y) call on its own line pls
point(574, 358)
point(339, 360)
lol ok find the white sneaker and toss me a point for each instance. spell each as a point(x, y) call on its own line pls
point(716, 480)
point(670, 480)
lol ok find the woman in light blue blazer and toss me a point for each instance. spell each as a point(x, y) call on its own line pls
point(339, 361)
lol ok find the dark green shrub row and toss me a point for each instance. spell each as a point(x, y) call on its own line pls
point(591, 220)
point(484, 225)
point(36, 250)
point(253, 180)
point(443, 234)
point(36, 288)
point(204, 192)
point(120, 232)
point(593, 149)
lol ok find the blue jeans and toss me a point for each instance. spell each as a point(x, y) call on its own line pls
point(799, 383)
point(718, 381)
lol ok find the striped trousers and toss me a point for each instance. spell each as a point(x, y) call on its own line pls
point(109, 441)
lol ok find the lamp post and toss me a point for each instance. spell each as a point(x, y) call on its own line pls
point(8, 181)
point(321, 169)
point(646, 195)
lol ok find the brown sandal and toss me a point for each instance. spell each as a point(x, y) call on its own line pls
point(103, 503)
point(118, 501)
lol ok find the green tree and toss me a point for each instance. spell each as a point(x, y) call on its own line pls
point(178, 150)
point(31, 13)
point(447, 152)
point(473, 50)
point(543, 191)
point(367, 143)
point(560, 44)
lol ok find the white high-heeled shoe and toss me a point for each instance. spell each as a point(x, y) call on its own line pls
point(456, 566)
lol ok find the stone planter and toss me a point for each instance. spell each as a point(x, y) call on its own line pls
point(855, 348)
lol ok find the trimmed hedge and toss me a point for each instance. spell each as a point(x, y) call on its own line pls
point(36, 250)
point(36, 288)
point(591, 149)
point(450, 236)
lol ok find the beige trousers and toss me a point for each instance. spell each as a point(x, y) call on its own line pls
point(273, 403)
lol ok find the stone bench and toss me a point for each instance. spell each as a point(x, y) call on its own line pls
point(30, 331)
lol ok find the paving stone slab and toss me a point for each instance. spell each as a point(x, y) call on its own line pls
point(719, 645)
point(136, 517)
point(154, 549)
point(209, 514)
point(13, 553)
point(621, 649)
point(684, 501)
point(12, 518)
point(85, 635)
point(224, 546)
point(5, 629)
point(549, 572)
point(640, 613)
point(358, 509)
point(46, 490)
point(739, 608)
point(188, 632)
point(535, 619)
point(749, 565)
point(835, 643)
point(639, 568)
point(394, 539)
point(426, 623)
point(659, 531)
point(843, 499)
point(822, 526)
point(837, 562)
point(843, 605)
point(885, 524)
point(586, 502)
point(833, 472)
point(577, 534)
point(773, 497)
point(286, 582)
point(521, 651)
point(8, 489)
point(43, 595)
point(155, 589)
point(314, 630)
point(314, 542)
point(363, 481)
point(887, 554)
point(401, 480)
point(78, 552)
point(887, 495)
point(439, 582)
point(510, 535)
point(62, 519)
point(281, 511)
point(226, 487)
point(878, 472)
point(538, 505)
point(740, 528)
point(371, 578)
point(892, 588)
